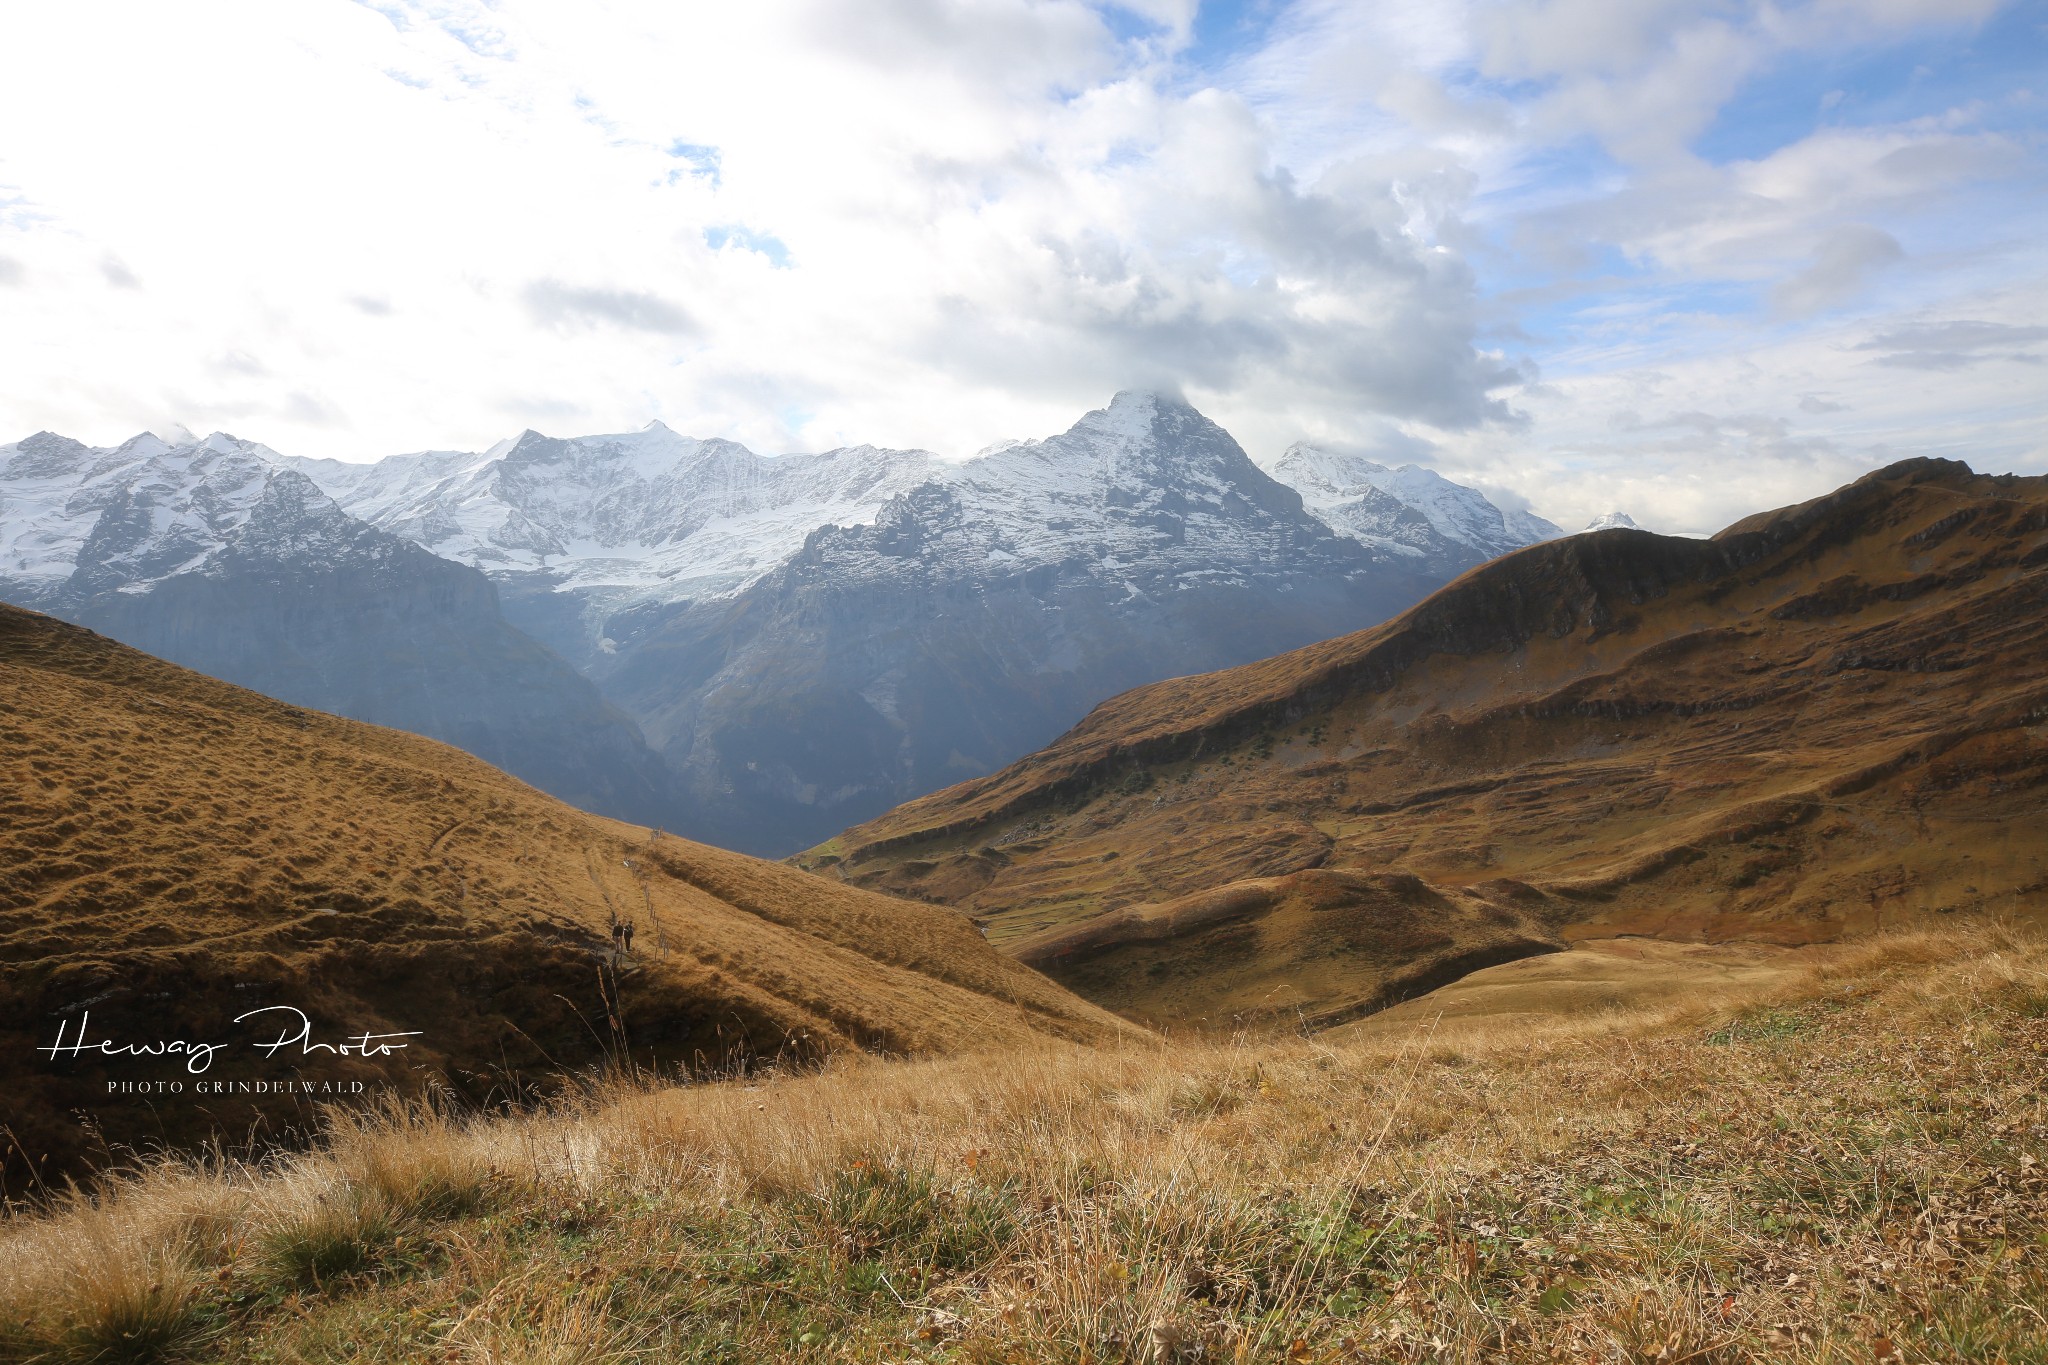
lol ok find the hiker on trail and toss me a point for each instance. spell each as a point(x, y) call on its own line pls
point(626, 931)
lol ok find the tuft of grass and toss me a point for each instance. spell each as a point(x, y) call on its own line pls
point(909, 1217)
point(121, 1321)
point(413, 1162)
point(106, 1294)
point(2026, 1000)
point(337, 1233)
point(575, 1330)
point(1768, 1024)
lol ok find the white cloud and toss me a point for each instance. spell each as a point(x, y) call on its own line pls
point(1846, 257)
point(347, 229)
point(1691, 444)
point(935, 221)
point(568, 307)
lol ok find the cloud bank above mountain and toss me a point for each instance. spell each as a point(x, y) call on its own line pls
point(1688, 257)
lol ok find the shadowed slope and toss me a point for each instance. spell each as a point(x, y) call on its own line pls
point(175, 851)
point(1826, 718)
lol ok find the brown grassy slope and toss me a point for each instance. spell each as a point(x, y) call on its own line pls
point(1847, 1170)
point(175, 851)
point(1598, 981)
point(1825, 719)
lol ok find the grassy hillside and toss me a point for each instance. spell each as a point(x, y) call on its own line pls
point(1826, 720)
point(1828, 1155)
point(175, 852)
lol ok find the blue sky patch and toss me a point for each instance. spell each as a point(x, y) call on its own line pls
point(748, 240)
point(1926, 73)
point(702, 160)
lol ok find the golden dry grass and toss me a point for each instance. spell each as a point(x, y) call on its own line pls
point(1845, 1167)
point(175, 851)
point(1632, 977)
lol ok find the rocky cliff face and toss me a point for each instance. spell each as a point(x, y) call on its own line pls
point(214, 556)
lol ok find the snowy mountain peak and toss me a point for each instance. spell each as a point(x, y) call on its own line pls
point(1613, 521)
point(1351, 492)
point(1146, 487)
point(1133, 410)
point(1143, 444)
point(530, 445)
point(140, 512)
point(1149, 407)
point(646, 515)
point(44, 454)
point(1330, 473)
point(144, 445)
point(655, 517)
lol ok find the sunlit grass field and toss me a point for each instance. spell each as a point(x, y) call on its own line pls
point(1845, 1167)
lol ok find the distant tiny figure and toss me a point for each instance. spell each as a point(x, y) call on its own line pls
point(626, 933)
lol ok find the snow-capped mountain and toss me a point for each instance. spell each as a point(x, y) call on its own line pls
point(986, 610)
point(174, 507)
point(1613, 521)
point(619, 521)
point(1147, 485)
point(215, 555)
point(593, 539)
point(806, 639)
point(1379, 505)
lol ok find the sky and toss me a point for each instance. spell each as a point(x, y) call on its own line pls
point(1682, 258)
